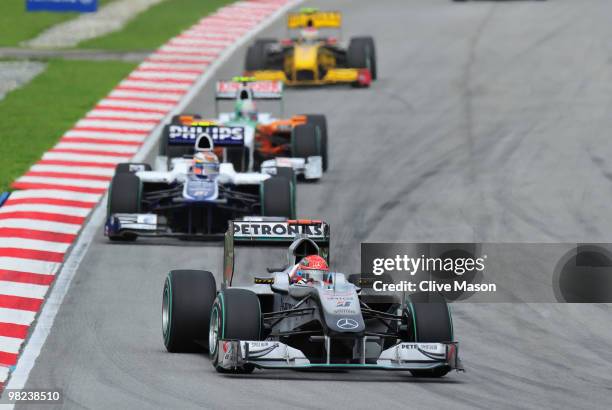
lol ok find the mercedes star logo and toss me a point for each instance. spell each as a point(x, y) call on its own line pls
point(347, 324)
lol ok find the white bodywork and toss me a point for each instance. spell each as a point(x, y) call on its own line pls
point(180, 169)
point(309, 168)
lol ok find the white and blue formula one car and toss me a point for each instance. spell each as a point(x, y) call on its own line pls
point(298, 142)
point(302, 315)
point(193, 196)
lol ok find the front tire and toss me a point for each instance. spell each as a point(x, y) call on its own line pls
point(361, 53)
point(236, 315)
point(124, 198)
point(431, 323)
point(187, 301)
point(321, 122)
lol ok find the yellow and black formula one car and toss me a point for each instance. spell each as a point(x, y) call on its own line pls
point(311, 58)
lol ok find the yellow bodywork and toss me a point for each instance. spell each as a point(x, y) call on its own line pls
point(310, 58)
point(333, 76)
point(305, 57)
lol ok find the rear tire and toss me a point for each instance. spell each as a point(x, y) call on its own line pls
point(186, 305)
point(277, 196)
point(431, 323)
point(238, 157)
point(124, 198)
point(127, 167)
point(361, 53)
point(236, 314)
point(173, 151)
point(257, 55)
point(306, 141)
point(321, 122)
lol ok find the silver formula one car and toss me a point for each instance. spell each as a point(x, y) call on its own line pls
point(275, 321)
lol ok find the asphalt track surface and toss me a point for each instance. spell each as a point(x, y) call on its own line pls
point(490, 122)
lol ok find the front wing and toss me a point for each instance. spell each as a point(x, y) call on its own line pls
point(149, 225)
point(236, 354)
point(333, 76)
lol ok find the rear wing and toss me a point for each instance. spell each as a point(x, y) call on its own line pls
point(310, 17)
point(259, 90)
point(271, 231)
point(221, 135)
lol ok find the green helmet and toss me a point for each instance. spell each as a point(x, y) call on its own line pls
point(245, 109)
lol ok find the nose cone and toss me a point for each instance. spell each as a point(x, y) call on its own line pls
point(305, 57)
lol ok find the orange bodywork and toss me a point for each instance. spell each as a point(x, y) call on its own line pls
point(266, 139)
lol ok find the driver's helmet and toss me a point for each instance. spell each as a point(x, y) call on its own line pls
point(246, 109)
point(312, 268)
point(309, 34)
point(205, 164)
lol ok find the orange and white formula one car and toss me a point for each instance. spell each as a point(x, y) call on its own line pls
point(311, 58)
point(298, 142)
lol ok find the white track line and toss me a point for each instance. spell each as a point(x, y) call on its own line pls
point(67, 156)
point(56, 194)
point(75, 182)
point(126, 125)
point(37, 225)
point(34, 244)
point(20, 317)
point(10, 344)
point(28, 265)
point(123, 149)
point(107, 172)
point(25, 290)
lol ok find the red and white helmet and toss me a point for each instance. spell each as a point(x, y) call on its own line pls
point(311, 268)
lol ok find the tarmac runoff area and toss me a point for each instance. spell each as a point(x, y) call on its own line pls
point(14, 74)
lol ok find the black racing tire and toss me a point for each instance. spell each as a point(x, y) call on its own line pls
point(257, 55)
point(236, 314)
point(305, 141)
point(277, 196)
point(126, 167)
point(124, 197)
point(187, 301)
point(321, 122)
point(238, 157)
point(431, 323)
point(361, 53)
point(173, 151)
point(286, 172)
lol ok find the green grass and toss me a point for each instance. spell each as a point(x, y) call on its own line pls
point(155, 26)
point(17, 25)
point(35, 116)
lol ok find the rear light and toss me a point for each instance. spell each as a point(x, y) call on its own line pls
point(332, 40)
point(364, 78)
point(286, 42)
